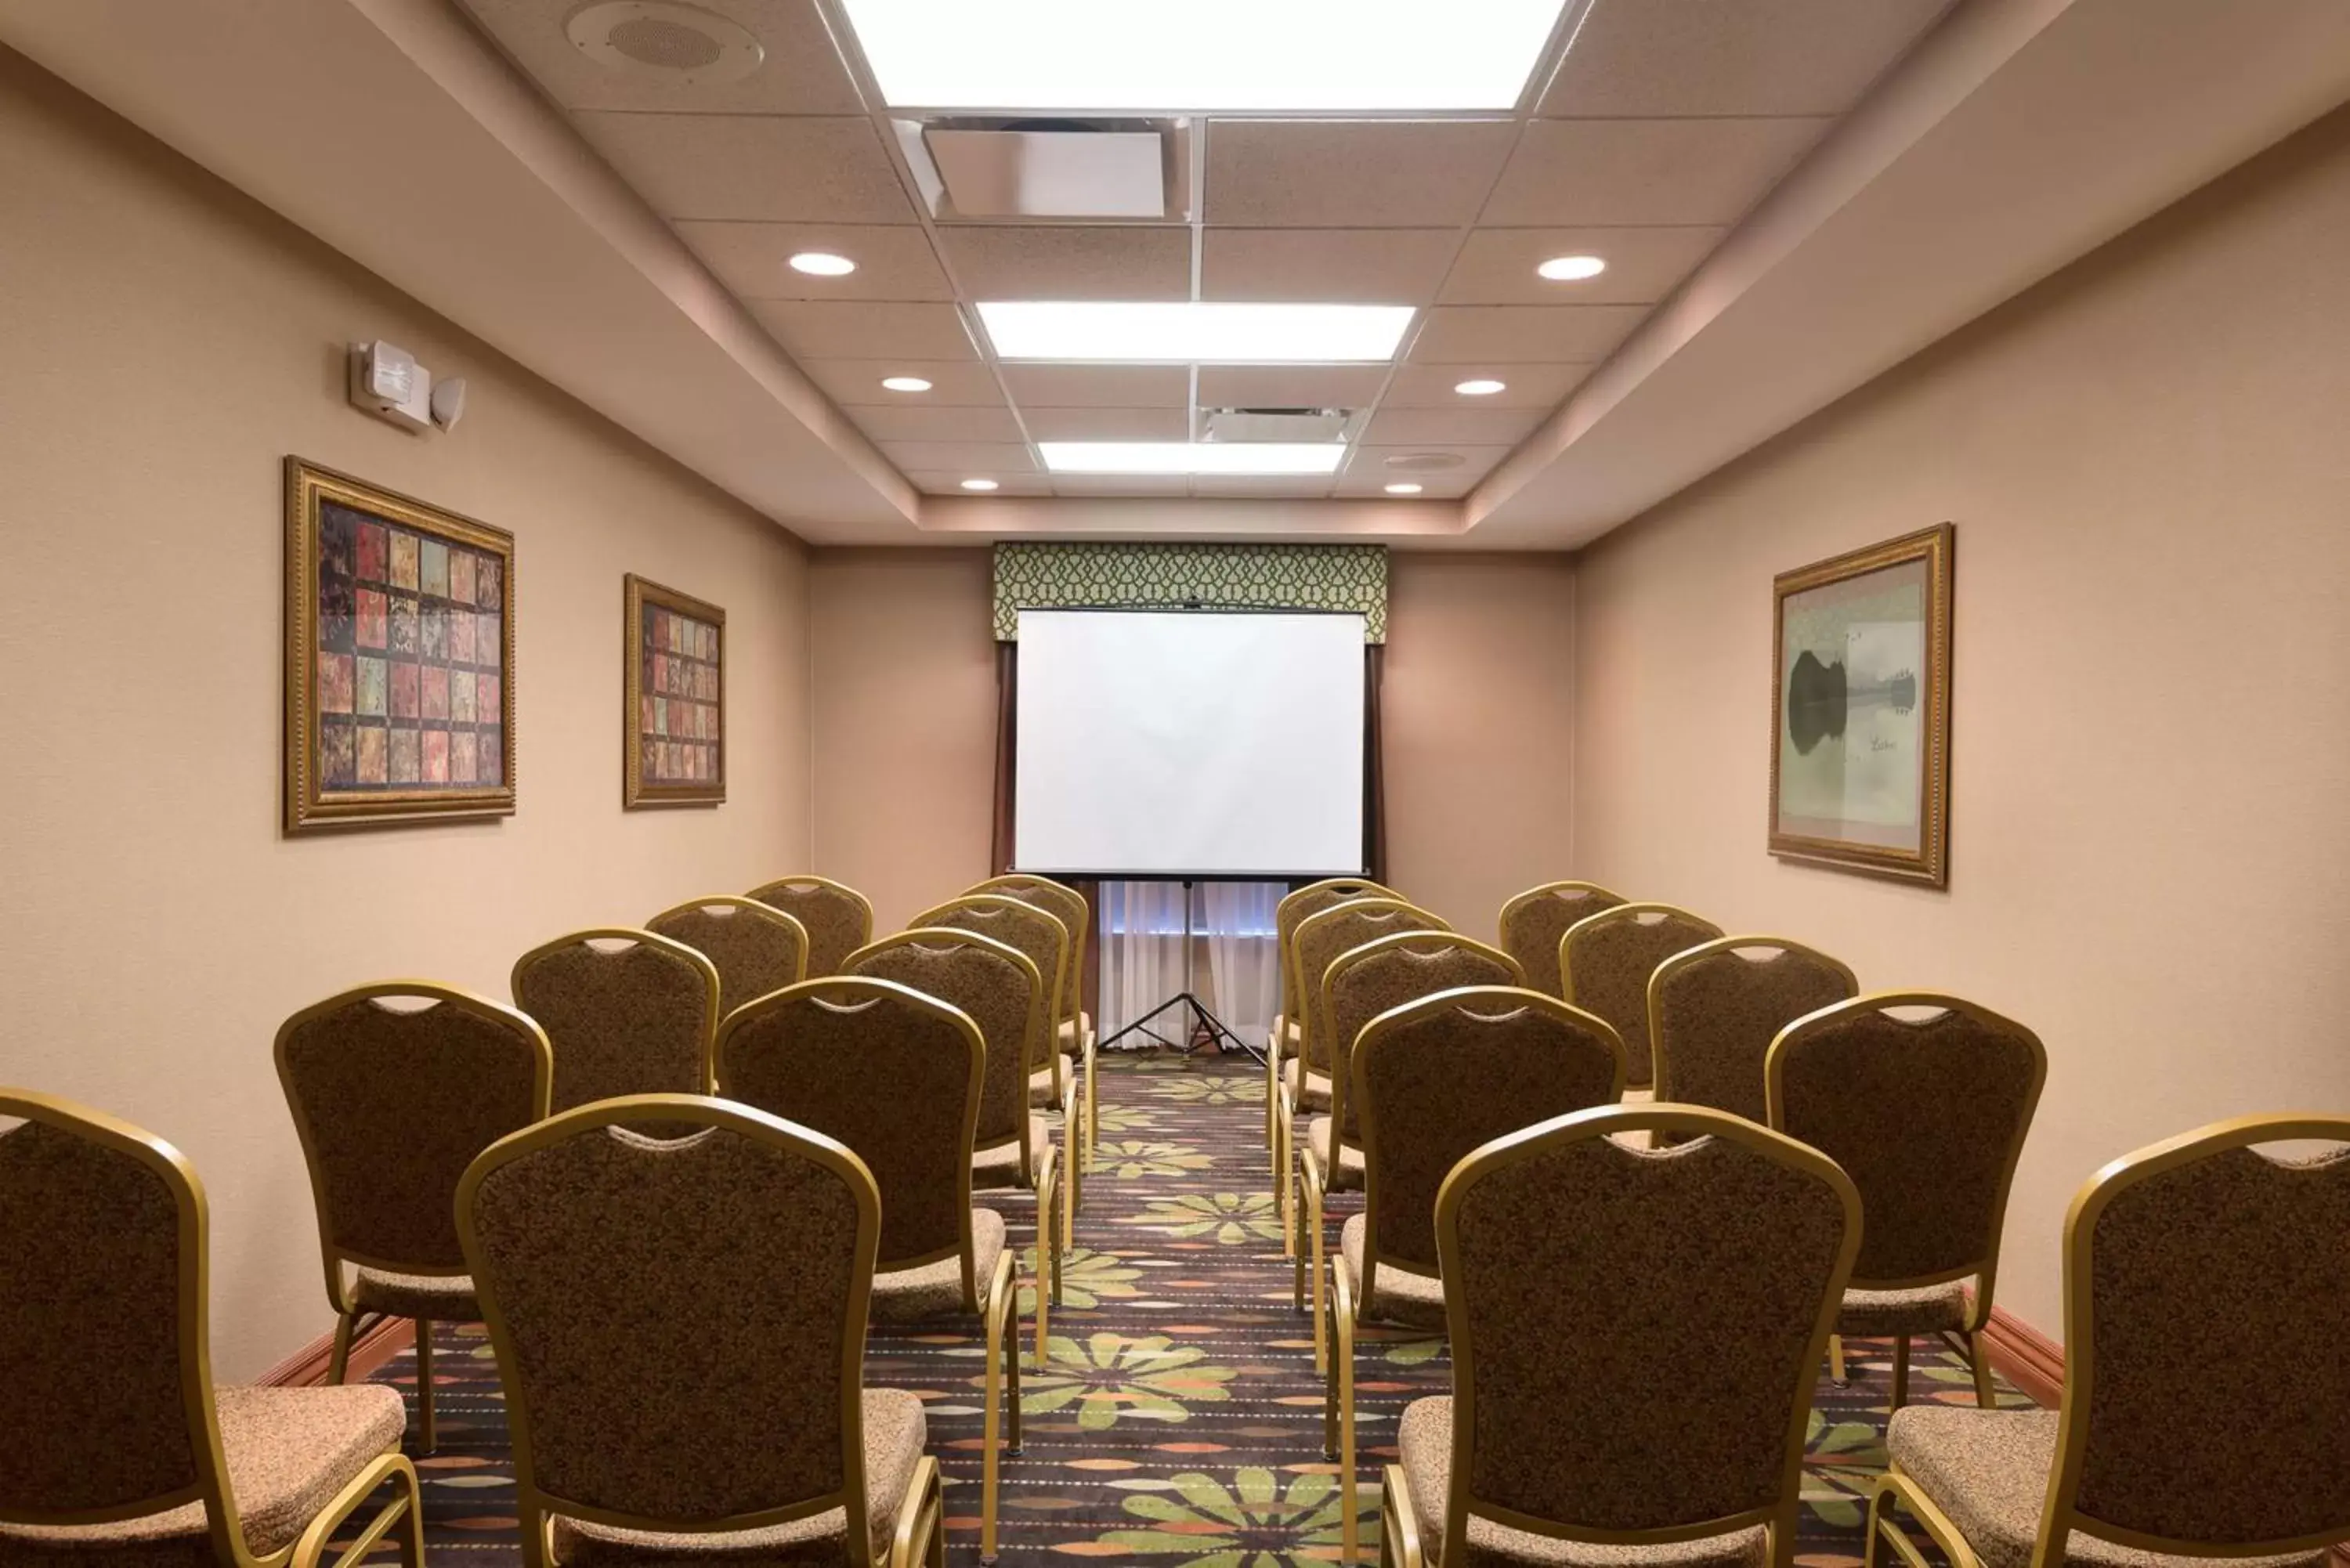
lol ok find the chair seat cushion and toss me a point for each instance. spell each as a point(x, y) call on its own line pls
point(935, 1290)
point(289, 1452)
point(1000, 1166)
point(1928, 1309)
point(894, 1439)
point(1988, 1469)
point(1426, 1441)
point(435, 1298)
point(1402, 1296)
point(1044, 1087)
point(1346, 1175)
point(1314, 1095)
point(1074, 1037)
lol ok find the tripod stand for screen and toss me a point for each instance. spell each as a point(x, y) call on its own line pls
point(1201, 1017)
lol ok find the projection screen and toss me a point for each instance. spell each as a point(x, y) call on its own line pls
point(1189, 743)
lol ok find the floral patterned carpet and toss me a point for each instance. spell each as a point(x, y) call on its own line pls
point(1179, 1423)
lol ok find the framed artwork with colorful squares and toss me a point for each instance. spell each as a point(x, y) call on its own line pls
point(400, 642)
point(673, 715)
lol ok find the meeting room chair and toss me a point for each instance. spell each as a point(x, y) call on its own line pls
point(896, 1076)
point(116, 1446)
point(998, 986)
point(1073, 1034)
point(1435, 1080)
point(1714, 1009)
point(394, 1088)
point(838, 918)
point(1603, 962)
point(1572, 1261)
point(2206, 1410)
point(628, 1012)
point(680, 1330)
point(1533, 923)
point(1928, 1115)
point(1289, 1023)
point(755, 948)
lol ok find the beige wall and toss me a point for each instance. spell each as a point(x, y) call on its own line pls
point(166, 344)
point(2150, 863)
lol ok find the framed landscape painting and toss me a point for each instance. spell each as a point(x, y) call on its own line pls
point(400, 640)
point(674, 712)
point(1860, 710)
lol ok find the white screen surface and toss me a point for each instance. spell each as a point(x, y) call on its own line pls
point(1189, 743)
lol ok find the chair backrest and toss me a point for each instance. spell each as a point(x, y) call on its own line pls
point(1441, 1076)
point(1604, 960)
point(2207, 1304)
point(838, 918)
point(1572, 1262)
point(599, 1252)
point(1850, 1080)
point(1714, 1009)
point(1015, 922)
point(392, 1100)
point(890, 1073)
point(1383, 974)
point(755, 948)
point(997, 985)
point(106, 1395)
point(1294, 906)
point(1324, 935)
point(1533, 923)
point(1067, 904)
point(628, 1012)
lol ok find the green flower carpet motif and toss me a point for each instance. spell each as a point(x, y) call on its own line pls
point(1178, 1421)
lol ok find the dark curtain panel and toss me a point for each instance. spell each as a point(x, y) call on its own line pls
point(1007, 697)
point(1375, 786)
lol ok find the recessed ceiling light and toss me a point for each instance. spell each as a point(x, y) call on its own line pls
point(904, 384)
point(1191, 457)
point(1484, 387)
point(1571, 269)
point(823, 263)
point(1403, 489)
point(1194, 334)
point(979, 485)
point(1083, 56)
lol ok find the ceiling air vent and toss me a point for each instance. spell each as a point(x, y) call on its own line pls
point(1025, 169)
point(665, 41)
point(1276, 424)
point(1425, 462)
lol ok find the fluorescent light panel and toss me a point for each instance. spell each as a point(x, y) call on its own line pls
point(1108, 332)
point(1220, 55)
point(1191, 457)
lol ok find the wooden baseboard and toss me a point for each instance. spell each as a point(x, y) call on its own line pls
point(2025, 1357)
point(379, 1343)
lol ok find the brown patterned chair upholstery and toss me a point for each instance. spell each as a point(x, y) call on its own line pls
point(1435, 1080)
point(628, 1012)
point(1566, 1251)
point(1533, 923)
point(1288, 1023)
point(897, 1077)
point(603, 1254)
point(394, 1088)
point(755, 948)
point(1714, 1009)
point(999, 987)
point(2206, 1411)
point(1074, 1026)
point(1605, 960)
point(838, 918)
point(1849, 1080)
point(115, 1446)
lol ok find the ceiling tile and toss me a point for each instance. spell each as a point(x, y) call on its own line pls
point(1523, 386)
point(855, 383)
point(1099, 386)
point(1121, 485)
point(964, 459)
point(1338, 266)
point(766, 168)
point(1449, 485)
point(935, 482)
point(1497, 265)
point(1478, 427)
point(824, 330)
point(1290, 386)
point(1323, 173)
point(801, 74)
point(1732, 57)
point(911, 422)
point(1252, 487)
point(1650, 171)
point(1522, 334)
point(1070, 262)
point(751, 259)
point(1105, 425)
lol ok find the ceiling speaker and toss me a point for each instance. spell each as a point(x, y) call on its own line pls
point(663, 40)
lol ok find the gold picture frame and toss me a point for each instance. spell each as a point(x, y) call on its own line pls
point(1860, 710)
point(400, 658)
point(674, 703)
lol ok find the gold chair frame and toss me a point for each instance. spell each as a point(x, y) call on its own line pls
point(1660, 1077)
point(1620, 914)
point(1546, 890)
point(810, 879)
point(744, 906)
point(224, 1527)
point(1285, 1023)
point(1014, 885)
point(637, 934)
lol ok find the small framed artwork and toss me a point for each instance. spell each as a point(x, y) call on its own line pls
point(1860, 710)
point(400, 644)
point(674, 712)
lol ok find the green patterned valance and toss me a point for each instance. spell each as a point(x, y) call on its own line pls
point(1220, 577)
